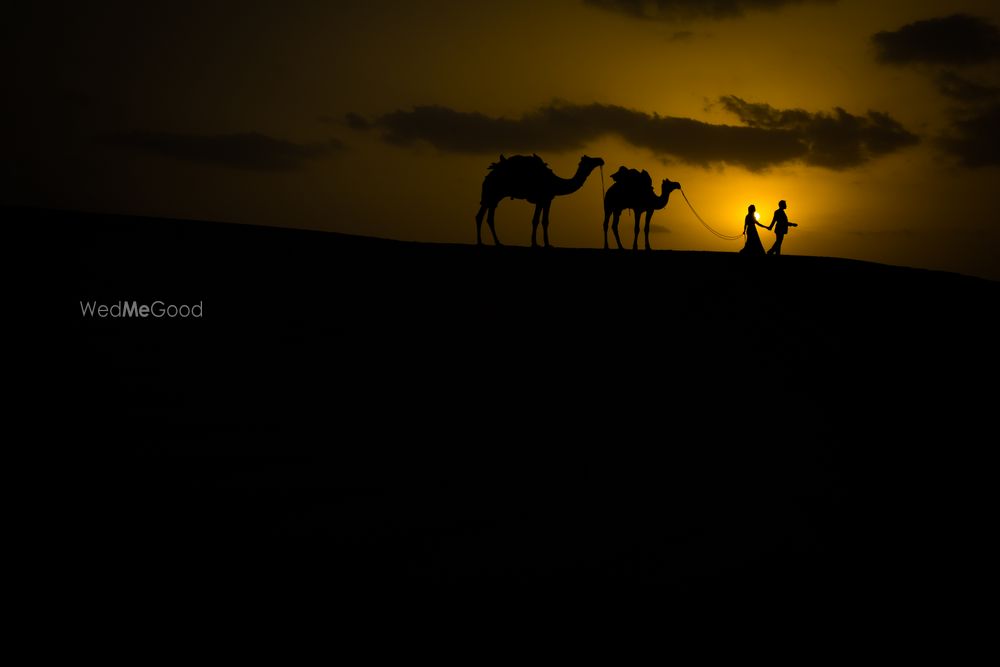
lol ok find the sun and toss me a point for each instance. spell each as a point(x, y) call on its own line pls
point(756, 216)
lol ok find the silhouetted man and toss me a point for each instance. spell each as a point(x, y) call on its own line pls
point(781, 220)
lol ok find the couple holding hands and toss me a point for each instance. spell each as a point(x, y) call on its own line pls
point(779, 223)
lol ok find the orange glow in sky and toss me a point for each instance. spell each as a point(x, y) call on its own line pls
point(872, 120)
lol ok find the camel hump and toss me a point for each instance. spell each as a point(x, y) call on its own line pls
point(633, 180)
point(622, 175)
point(523, 165)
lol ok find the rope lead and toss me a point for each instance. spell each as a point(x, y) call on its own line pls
point(706, 225)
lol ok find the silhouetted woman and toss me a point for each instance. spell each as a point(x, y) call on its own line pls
point(753, 245)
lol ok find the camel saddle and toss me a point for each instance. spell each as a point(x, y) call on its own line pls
point(521, 164)
point(633, 180)
point(522, 173)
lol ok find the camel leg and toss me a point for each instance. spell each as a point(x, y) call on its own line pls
point(649, 216)
point(534, 225)
point(607, 216)
point(479, 224)
point(545, 226)
point(635, 241)
point(614, 228)
point(493, 229)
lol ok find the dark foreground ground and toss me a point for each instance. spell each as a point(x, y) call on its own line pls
point(353, 411)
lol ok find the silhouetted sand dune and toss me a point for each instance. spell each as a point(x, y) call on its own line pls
point(372, 409)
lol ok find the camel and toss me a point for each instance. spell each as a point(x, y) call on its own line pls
point(634, 191)
point(529, 178)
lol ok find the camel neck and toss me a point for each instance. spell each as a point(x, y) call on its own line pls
point(664, 197)
point(565, 186)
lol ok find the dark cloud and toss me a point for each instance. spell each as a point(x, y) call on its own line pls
point(672, 10)
point(958, 39)
point(959, 88)
point(835, 140)
point(250, 150)
point(768, 137)
point(356, 121)
point(681, 36)
point(572, 127)
point(975, 139)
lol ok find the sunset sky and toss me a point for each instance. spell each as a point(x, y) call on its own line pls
point(877, 120)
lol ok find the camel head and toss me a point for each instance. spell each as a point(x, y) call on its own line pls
point(670, 186)
point(589, 164)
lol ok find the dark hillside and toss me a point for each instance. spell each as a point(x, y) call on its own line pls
point(372, 410)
